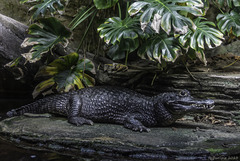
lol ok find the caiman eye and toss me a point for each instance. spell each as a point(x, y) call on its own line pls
point(183, 93)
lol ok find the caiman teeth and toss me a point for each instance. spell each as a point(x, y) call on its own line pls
point(211, 106)
point(202, 106)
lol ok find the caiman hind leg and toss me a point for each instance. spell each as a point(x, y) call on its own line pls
point(132, 123)
point(74, 111)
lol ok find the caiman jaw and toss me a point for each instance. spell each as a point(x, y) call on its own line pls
point(189, 106)
point(203, 106)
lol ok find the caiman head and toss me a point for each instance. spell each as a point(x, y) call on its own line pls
point(183, 102)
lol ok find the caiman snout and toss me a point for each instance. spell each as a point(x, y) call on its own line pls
point(205, 104)
point(210, 104)
point(186, 103)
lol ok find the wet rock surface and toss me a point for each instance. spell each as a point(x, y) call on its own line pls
point(185, 140)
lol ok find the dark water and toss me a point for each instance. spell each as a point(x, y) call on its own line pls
point(10, 152)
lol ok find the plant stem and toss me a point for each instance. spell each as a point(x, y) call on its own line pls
point(218, 7)
point(126, 16)
point(232, 63)
point(85, 33)
point(189, 71)
point(119, 10)
point(126, 59)
point(80, 18)
point(153, 80)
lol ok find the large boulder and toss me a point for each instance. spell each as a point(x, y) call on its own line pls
point(12, 34)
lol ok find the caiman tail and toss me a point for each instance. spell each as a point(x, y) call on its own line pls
point(50, 104)
point(35, 107)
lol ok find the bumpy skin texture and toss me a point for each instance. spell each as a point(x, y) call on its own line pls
point(117, 105)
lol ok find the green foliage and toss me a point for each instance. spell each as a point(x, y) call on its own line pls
point(230, 3)
point(165, 17)
point(160, 30)
point(123, 35)
point(203, 35)
point(165, 14)
point(82, 15)
point(114, 29)
point(160, 46)
point(104, 4)
point(50, 33)
point(66, 73)
point(46, 5)
point(229, 21)
point(14, 62)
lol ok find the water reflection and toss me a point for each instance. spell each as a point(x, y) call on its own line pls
point(9, 152)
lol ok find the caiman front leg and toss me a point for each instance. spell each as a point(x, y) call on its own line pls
point(74, 112)
point(132, 123)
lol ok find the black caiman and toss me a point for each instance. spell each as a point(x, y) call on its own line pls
point(119, 106)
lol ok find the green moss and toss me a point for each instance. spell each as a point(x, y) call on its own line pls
point(212, 150)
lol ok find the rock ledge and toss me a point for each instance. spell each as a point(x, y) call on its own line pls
point(185, 141)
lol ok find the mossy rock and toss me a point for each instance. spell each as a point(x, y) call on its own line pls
point(184, 140)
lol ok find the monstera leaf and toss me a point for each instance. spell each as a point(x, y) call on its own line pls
point(165, 14)
point(204, 34)
point(103, 4)
point(50, 33)
point(46, 5)
point(114, 29)
point(121, 49)
point(159, 47)
point(229, 21)
point(230, 3)
point(123, 35)
point(66, 73)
